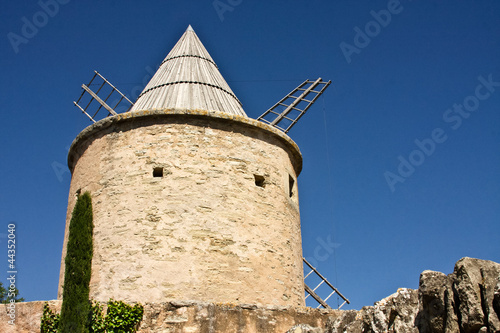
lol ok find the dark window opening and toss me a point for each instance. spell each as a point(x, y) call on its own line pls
point(158, 172)
point(291, 183)
point(259, 180)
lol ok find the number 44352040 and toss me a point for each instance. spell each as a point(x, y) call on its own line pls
point(11, 245)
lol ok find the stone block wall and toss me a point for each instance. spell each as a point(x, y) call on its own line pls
point(190, 205)
point(467, 300)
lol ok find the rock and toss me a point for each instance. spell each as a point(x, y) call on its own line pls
point(468, 300)
point(474, 285)
point(349, 322)
point(393, 314)
point(466, 285)
point(304, 329)
point(496, 299)
point(436, 304)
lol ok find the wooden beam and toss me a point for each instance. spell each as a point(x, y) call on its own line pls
point(102, 77)
point(316, 297)
point(97, 98)
point(84, 111)
point(296, 102)
point(327, 282)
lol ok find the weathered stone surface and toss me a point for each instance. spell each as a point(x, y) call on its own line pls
point(188, 316)
point(467, 290)
point(464, 301)
point(27, 316)
point(301, 328)
point(206, 230)
point(436, 305)
point(349, 321)
point(209, 317)
point(395, 313)
point(474, 282)
point(496, 299)
point(454, 303)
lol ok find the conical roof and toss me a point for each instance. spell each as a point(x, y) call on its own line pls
point(188, 78)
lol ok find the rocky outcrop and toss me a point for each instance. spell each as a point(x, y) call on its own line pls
point(437, 308)
point(475, 283)
point(465, 301)
point(396, 313)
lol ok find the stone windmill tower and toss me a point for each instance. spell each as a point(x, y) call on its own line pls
point(192, 199)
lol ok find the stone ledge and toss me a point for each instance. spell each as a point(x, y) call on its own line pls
point(192, 316)
point(107, 123)
point(466, 300)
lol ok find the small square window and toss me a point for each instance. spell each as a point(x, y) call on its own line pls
point(158, 172)
point(291, 184)
point(259, 180)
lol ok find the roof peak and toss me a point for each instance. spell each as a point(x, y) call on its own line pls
point(188, 78)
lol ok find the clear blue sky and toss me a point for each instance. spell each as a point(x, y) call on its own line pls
point(429, 72)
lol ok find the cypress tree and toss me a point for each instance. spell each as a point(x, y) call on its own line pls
point(75, 307)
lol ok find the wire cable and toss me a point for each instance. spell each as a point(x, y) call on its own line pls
point(330, 193)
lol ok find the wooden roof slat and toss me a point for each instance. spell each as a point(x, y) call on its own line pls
point(189, 78)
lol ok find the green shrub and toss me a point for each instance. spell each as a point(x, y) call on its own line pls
point(75, 307)
point(97, 320)
point(123, 318)
point(50, 320)
point(120, 318)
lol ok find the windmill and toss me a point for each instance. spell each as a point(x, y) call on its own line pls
point(175, 86)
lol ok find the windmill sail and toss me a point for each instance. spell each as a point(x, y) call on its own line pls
point(114, 98)
point(323, 281)
point(284, 114)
